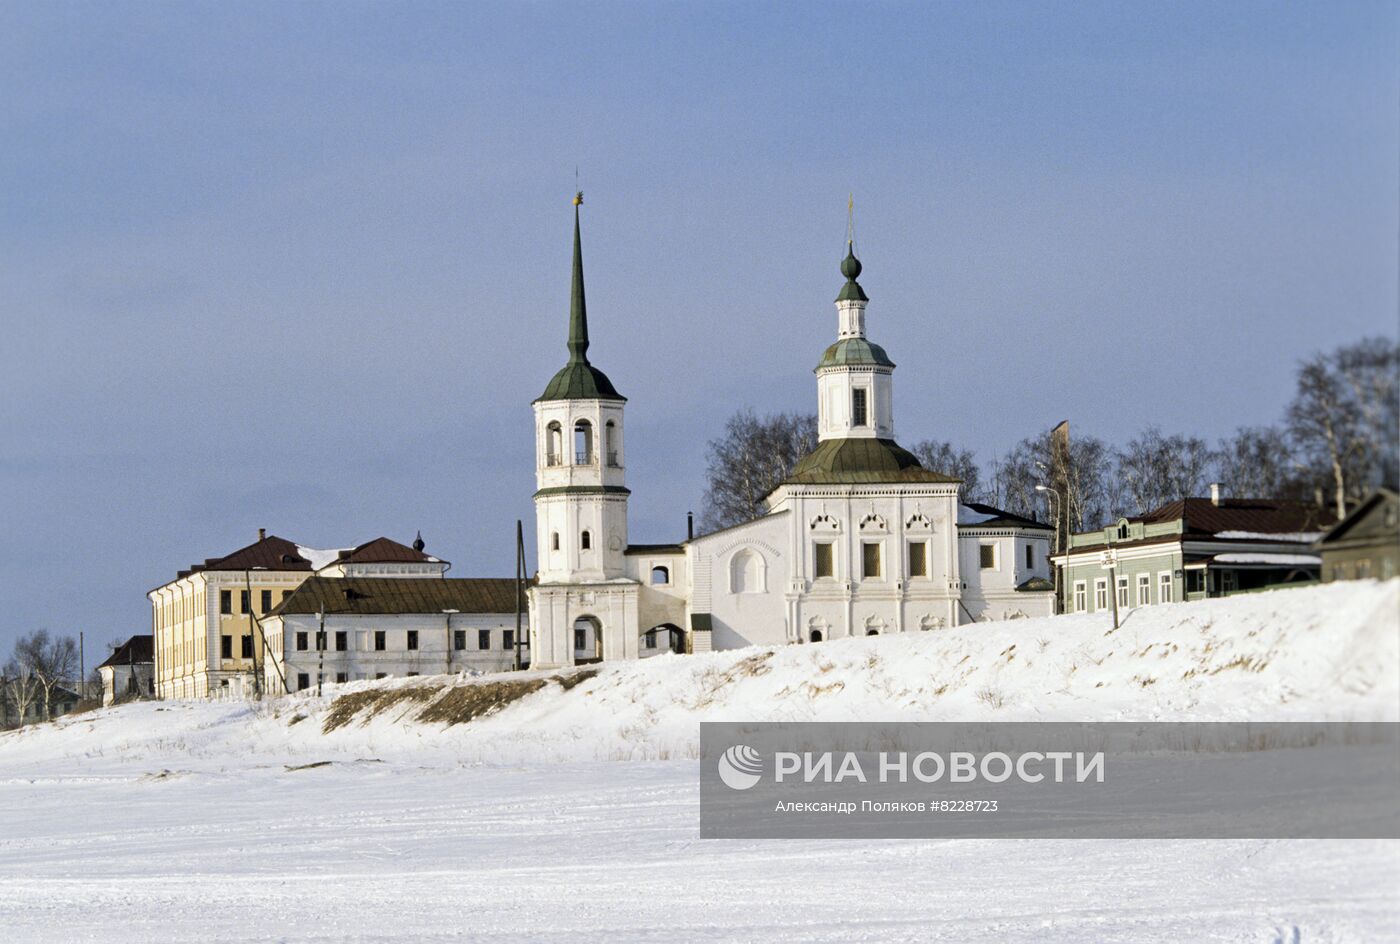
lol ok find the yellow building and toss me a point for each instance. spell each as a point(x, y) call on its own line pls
point(206, 640)
point(207, 621)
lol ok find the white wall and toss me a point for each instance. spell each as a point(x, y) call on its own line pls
point(435, 654)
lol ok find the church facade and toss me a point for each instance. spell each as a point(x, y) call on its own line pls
point(860, 539)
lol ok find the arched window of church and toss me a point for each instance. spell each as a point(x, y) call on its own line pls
point(746, 572)
point(816, 635)
point(586, 541)
point(554, 444)
point(660, 575)
point(583, 442)
point(554, 541)
point(610, 443)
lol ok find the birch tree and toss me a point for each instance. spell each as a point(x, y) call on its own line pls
point(1154, 469)
point(52, 660)
point(1343, 417)
point(19, 689)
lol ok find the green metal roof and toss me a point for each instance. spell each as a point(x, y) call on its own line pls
point(855, 351)
point(861, 461)
point(578, 379)
point(850, 268)
point(583, 490)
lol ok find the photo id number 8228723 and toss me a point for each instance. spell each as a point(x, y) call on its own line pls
point(962, 806)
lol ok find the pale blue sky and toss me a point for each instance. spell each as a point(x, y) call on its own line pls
point(304, 266)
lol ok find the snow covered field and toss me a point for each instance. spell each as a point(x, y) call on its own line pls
point(571, 814)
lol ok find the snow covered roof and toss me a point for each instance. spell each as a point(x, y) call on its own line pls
point(1300, 537)
point(1281, 560)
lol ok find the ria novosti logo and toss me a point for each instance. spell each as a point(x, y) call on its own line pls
point(740, 767)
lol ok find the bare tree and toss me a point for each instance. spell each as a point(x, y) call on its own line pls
point(50, 659)
point(1261, 462)
point(19, 689)
point(749, 460)
point(1156, 469)
point(1343, 417)
point(938, 456)
point(1078, 471)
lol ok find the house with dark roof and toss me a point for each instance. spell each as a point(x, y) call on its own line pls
point(336, 629)
point(859, 539)
point(1192, 549)
point(1366, 543)
point(128, 672)
point(207, 623)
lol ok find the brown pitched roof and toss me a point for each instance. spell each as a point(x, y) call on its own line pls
point(1259, 515)
point(375, 596)
point(271, 553)
point(135, 650)
point(384, 551)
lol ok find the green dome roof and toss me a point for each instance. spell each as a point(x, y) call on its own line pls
point(855, 351)
point(580, 380)
point(850, 268)
point(861, 461)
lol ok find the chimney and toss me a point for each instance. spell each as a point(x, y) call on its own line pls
point(262, 534)
point(1215, 493)
point(690, 525)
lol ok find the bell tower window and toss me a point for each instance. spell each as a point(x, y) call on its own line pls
point(858, 407)
point(586, 541)
point(583, 442)
point(610, 443)
point(554, 444)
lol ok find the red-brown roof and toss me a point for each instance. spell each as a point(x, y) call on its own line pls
point(1258, 515)
point(383, 551)
point(270, 553)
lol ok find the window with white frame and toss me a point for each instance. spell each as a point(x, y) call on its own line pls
point(1081, 594)
point(987, 556)
point(1144, 589)
point(1122, 587)
point(823, 559)
point(1164, 587)
point(1101, 593)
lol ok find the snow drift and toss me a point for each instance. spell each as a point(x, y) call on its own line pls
point(1318, 654)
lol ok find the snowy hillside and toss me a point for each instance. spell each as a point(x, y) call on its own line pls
point(1321, 653)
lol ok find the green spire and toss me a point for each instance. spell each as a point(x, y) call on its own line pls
point(578, 308)
point(578, 379)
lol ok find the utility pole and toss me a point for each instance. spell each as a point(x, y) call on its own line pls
point(519, 586)
point(320, 649)
point(82, 667)
point(1110, 560)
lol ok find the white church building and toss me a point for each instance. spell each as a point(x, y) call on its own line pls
point(859, 539)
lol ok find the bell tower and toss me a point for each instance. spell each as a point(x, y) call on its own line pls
point(580, 506)
point(855, 377)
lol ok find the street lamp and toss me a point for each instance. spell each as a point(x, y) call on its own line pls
point(1056, 508)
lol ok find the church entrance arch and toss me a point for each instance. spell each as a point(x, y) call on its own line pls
point(588, 640)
